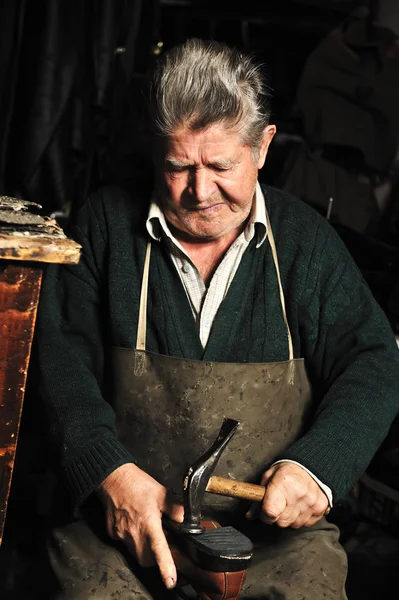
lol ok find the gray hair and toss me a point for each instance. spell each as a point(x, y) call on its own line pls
point(200, 83)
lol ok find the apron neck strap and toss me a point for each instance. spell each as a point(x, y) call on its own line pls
point(142, 324)
point(270, 237)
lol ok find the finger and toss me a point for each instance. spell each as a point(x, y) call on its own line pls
point(141, 551)
point(299, 520)
point(174, 511)
point(306, 516)
point(169, 507)
point(273, 505)
point(163, 557)
point(312, 520)
point(288, 517)
point(321, 506)
point(267, 475)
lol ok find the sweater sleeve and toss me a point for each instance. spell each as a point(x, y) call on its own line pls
point(70, 344)
point(351, 354)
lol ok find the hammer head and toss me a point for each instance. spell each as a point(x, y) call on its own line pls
point(197, 476)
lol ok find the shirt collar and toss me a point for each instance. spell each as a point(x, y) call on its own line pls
point(156, 222)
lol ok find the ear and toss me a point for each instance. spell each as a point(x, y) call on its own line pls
point(268, 135)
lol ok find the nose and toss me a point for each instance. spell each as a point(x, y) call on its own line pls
point(202, 184)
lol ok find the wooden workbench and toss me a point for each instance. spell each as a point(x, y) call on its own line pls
point(27, 241)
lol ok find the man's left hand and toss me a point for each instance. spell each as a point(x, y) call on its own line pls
point(292, 498)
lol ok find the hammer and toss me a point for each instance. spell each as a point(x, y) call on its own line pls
point(199, 479)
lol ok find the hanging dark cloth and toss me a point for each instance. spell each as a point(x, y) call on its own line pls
point(11, 20)
point(60, 113)
point(347, 98)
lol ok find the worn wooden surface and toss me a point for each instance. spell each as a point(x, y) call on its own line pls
point(39, 248)
point(27, 235)
point(19, 295)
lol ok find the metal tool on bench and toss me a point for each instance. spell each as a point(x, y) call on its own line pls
point(222, 548)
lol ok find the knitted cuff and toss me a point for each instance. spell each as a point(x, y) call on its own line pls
point(86, 473)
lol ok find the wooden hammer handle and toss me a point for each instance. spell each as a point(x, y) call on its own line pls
point(235, 489)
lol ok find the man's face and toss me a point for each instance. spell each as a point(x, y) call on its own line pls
point(207, 181)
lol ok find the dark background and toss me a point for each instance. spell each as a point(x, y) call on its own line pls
point(71, 75)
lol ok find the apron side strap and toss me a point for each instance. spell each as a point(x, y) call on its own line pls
point(142, 324)
point(270, 237)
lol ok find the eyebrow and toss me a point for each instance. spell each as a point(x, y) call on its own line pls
point(226, 162)
point(177, 163)
point(222, 162)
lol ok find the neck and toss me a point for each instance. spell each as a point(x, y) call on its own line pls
point(206, 254)
point(192, 244)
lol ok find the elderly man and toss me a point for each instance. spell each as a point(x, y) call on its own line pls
point(207, 296)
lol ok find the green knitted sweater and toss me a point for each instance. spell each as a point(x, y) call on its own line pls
point(337, 327)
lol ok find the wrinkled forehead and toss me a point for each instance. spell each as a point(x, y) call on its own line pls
point(218, 138)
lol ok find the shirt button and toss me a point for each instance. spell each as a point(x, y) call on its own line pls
point(185, 269)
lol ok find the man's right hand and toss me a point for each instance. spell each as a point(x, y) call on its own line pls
point(134, 504)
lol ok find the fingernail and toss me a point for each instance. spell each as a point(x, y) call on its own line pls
point(249, 515)
point(169, 583)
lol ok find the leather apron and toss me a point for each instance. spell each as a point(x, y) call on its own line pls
point(169, 411)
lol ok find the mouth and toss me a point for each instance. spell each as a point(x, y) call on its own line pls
point(206, 209)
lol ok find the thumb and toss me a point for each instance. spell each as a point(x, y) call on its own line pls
point(173, 509)
point(255, 508)
point(274, 502)
point(175, 512)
